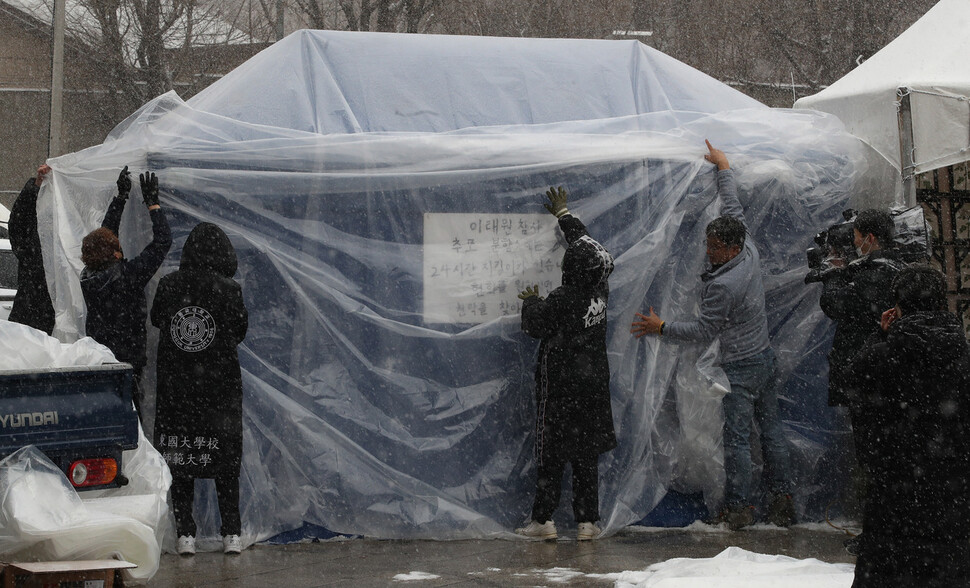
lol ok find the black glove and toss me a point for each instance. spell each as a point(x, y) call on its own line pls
point(124, 183)
point(557, 199)
point(149, 188)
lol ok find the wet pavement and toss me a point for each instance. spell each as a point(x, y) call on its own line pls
point(566, 562)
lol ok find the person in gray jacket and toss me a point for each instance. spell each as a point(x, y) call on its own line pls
point(733, 312)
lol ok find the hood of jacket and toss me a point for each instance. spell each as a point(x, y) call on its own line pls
point(933, 339)
point(209, 249)
point(586, 263)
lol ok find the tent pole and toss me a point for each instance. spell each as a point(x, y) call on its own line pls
point(907, 163)
point(280, 20)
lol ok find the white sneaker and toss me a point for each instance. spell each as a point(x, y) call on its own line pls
point(185, 545)
point(231, 544)
point(587, 531)
point(537, 530)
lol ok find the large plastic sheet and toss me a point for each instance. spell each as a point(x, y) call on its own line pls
point(366, 410)
point(44, 518)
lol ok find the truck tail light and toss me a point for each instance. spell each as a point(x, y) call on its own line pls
point(93, 472)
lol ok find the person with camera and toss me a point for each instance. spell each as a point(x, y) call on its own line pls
point(855, 293)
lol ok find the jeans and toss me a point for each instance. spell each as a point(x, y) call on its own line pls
point(753, 396)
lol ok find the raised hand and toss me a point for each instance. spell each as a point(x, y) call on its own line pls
point(149, 188)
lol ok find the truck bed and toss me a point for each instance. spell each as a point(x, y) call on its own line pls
point(69, 413)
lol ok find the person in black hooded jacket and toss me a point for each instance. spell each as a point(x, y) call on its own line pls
point(574, 419)
point(32, 304)
point(201, 316)
point(114, 287)
point(857, 294)
point(913, 379)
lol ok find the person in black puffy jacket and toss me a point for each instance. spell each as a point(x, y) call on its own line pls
point(114, 287)
point(574, 420)
point(913, 380)
point(32, 304)
point(201, 316)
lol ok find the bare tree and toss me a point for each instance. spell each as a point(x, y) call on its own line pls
point(139, 49)
point(535, 18)
point(819, 41)
point(750, 44)
point(406, 16)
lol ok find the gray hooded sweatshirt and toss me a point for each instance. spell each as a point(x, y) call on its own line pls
point(733, 295)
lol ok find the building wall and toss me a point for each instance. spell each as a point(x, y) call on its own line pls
point(88, 112)
point(25, 66)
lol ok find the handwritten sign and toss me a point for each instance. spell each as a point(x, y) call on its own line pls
point(475, 265)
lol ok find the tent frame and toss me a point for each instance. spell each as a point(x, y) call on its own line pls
point(907, 157)
point(948, 211)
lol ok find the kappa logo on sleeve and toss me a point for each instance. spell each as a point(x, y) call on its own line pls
point(596, 312)
point(193, 329)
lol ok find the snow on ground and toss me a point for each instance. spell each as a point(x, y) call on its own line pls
point(737, 568)
point(835, 526)
point(732, 568)
point(414, 577)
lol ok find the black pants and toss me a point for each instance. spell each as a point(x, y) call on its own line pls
point(895, 563)
point(585, 488)
point(183, 495)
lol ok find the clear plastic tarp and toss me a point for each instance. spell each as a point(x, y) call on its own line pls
point(44, 519)
point(388, 388)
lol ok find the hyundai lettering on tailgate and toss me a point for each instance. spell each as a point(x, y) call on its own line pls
point(28, 419)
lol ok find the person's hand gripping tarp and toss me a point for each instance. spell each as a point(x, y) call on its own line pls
point(557, 201)
point(124, 183)
point(149, 188)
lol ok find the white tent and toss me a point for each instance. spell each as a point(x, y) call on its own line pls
point(924, 74)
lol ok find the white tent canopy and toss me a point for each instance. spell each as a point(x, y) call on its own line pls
point(928, 63)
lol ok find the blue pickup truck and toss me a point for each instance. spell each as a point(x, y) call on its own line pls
point(82, 418)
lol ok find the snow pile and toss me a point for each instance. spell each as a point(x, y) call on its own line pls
point(415, 577)
point(737, 568)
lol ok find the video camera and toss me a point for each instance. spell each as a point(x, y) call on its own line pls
point(833, 245)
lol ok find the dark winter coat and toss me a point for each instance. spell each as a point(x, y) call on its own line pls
point(855, 299)
point(915, 385)
point(201, 318)
point(115, 295)
point(32, 304)
point(574, 417)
